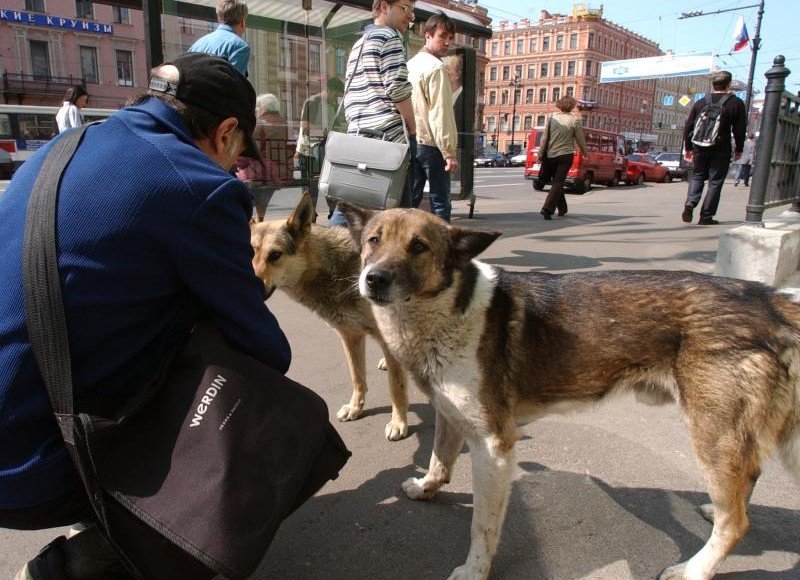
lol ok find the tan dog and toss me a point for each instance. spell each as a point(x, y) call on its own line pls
point(493, 348)
point(318, 267)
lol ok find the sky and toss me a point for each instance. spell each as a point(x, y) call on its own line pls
point(660, 22)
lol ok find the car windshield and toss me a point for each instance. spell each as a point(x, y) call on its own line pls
point(669, 157)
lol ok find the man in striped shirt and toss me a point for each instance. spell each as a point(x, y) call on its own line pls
point(378, 96)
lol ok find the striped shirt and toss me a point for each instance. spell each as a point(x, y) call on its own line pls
point(379, 80)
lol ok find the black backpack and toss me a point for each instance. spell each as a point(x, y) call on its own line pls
point(706, 126)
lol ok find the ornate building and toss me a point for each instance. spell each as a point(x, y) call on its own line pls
point(533, 64)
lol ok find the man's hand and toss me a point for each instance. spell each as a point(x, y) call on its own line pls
point(737, 155)
point(688, 154)
point(450, 164)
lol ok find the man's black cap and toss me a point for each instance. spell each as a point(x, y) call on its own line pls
point(211, 83)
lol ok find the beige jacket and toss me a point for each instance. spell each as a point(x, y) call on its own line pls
point(432, 99)
point(565, 130)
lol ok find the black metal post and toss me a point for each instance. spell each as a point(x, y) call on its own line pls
point(516, 84)
point(773, 94)
point(756, 45)
point(154, 49)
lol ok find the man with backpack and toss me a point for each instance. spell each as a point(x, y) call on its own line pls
point(707, 143)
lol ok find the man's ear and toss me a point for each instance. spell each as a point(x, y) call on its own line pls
point(224, 136)
point(357, 218)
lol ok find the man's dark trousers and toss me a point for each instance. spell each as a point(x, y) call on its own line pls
point(711, 166)
point(430, 167)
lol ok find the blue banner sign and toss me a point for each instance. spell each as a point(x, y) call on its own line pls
point(667, 65)
point(669, 100)
point(36, 19)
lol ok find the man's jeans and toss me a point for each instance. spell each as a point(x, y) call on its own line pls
point(430, 167)
point(337, 217)
point(711, 166)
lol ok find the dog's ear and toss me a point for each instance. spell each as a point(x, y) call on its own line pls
point(302, 216)
point(357, 218)
point(468, 243)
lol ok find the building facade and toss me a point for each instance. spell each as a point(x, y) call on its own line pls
point(532, 64)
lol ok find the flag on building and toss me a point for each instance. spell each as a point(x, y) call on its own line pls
point(740, 36)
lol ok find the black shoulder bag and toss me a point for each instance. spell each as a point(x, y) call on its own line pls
point(217, 450)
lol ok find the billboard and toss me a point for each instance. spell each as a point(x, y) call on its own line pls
point(667, 65)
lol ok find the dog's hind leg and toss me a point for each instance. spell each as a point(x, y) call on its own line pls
point(447, 442)
point(354, 344)
point(731, 464)
point(492, 472)
point(397, 428)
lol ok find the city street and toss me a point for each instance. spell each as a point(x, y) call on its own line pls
point(606, 494)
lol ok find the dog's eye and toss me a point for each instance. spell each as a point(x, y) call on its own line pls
point(274, 256)
point(373, 240)
point(417, 247)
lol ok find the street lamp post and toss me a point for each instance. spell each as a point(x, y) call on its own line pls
point(516, 83)
point(497, 129)
point(642, 110)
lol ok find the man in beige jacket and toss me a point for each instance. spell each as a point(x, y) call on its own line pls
point(432, 99)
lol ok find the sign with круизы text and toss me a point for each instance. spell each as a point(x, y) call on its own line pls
point(36, 19)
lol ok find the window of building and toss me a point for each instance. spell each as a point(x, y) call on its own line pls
point(40, 60)
point(528, 122)
point(34, 5)
point(545, 43)
point(557, 69)
point(89, 65)
point(186, 26)
point(531, 71)
point(494, 49)
point(313, 56)
point(573, 40)
point(493, 73)
point(517, 95)
point(504, 98)
point(570, 91)
point(588, 68)
point(341, 61)
point(120, 15)
point(288, 54)
point(520, 46)
point(492, 97)
point(518, 71)
point(532, 45)
point(586, 93)
point(506, 73)
point(542, 95)
point(529, 97)
point(556, 93)
point(590, 44)
point(491, 123)
point(560, 42)
point(570, 68)
point(504, 123)
point(507, 47)
point(540, 120)
point(543, 67)
point(83, 9)
point(124, 67)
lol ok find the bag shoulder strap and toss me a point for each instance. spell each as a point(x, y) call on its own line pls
point(44, 305)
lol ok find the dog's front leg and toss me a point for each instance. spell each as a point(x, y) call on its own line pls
point(492, 471)
point(355, 352)
point(447, 443)
point(397, 428)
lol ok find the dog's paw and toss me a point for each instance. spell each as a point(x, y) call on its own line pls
point(467, 573)
point(677, 572)
point(348, 413)
point(382, 364)
point(415, 488)
point(707, 511)
point(396, 431)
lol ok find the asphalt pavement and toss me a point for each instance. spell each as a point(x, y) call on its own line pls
point(607, 494)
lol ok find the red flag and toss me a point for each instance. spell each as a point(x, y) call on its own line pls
point(740, 36)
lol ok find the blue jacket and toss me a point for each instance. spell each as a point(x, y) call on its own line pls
point(152, 233)
point(226, 43)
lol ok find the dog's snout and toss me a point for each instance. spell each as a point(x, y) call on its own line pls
point(378, 280)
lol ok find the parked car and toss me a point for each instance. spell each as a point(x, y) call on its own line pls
point(604, 163)
point(672, 161)
point(518, 159)
point(643, 167)
point(6, 165)
point(491, 160)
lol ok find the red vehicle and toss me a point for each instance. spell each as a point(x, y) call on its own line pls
point(643, 167)
point(605, 162)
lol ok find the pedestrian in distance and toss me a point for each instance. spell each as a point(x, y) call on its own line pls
point(432, 99)
point(69, 115)
point(707, 144)
point(227, 40)
point(160, 242)
point(744, 164)
point(377, 99)
point(562, 133)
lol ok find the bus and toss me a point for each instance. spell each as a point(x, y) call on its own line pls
point(25, 128)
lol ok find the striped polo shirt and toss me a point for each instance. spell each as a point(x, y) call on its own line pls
point(377, 81)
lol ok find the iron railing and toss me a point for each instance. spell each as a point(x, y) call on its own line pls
point(39, 84)
point(776, 174)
